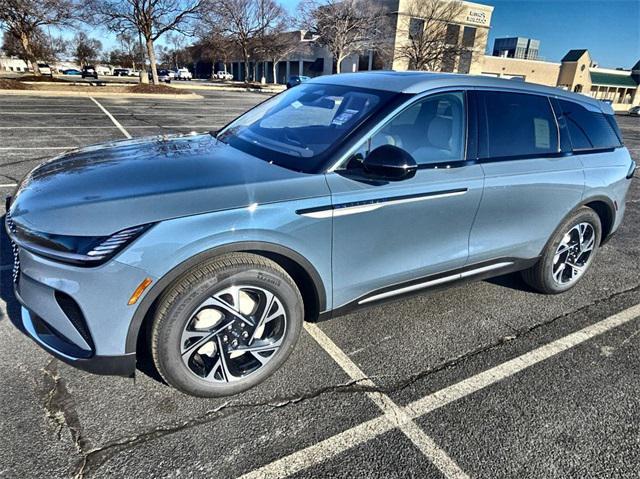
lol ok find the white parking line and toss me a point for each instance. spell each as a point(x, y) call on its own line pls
point(115, 122)
point(60, 127)
point(8, 185)
point(394, 413)
point(38, 147)
point(373, 428)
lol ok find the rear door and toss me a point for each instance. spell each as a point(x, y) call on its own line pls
point(386, 234)
point(531, 179)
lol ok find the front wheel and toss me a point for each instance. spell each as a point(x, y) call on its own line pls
point(568, 254)
point(226, 326)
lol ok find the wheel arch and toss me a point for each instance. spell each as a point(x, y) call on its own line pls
point(604, 208)
point(301, 270)
point(606, 211)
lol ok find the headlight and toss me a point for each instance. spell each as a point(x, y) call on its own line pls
point(79, 250)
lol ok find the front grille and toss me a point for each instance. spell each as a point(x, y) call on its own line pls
point(14, 248)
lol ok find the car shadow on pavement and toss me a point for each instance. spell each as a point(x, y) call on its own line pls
point(512, 281)
point(6, 279)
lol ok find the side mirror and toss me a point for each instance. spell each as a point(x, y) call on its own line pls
point(388, 162)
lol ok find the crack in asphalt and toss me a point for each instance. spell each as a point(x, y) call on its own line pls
point(59, 407)
point(94, 458)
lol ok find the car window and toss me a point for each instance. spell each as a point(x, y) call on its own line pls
point(589, 129)
point(300, 127)
point(517, 124)
point(431, 130)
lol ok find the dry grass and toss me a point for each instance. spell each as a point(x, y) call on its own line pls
point(10, 84)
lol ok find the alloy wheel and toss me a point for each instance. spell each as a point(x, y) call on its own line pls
point(233, 333)
point(574, 253)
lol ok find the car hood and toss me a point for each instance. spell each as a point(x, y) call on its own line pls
point(101, 189)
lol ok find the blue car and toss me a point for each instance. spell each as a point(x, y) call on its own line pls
point(341, 193)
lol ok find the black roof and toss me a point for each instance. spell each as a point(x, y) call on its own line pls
point(573, 55)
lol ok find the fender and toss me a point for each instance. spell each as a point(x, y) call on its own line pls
point(239, 247)
point(585, 201)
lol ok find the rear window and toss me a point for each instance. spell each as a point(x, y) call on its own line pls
point(517, 125)
point(589, 129)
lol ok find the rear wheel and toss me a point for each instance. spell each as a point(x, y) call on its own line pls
point(226, 326)
point(568, 255)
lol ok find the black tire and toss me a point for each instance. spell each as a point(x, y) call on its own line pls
point(540, 276)
point(178, 303)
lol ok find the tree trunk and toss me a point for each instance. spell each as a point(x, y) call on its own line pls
point(339, 63)
point(28, 53)
point(245, 55)
point(152, 60)
point(275, 71)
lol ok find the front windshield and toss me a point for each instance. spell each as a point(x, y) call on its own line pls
point(299, 128)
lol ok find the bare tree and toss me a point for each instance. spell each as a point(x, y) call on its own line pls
point(216, 46)
point(277, 46)
point(85, 49)
point(243, 21)
point(131, 51)
point(175, 48)
point(346, 27)
point(24, 19)
point(432, 35)
point(45, 47)
point(152, 18)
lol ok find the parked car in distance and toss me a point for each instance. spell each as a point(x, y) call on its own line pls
point(120, 72)
point(183, 74)
point(71, 71)
point(45, 69)
point(296, 80)
point(222, 75)
point(89, 71)
point(134, 73)
point(163, 75)
point(635, 111)
point(103, 70)
point(344, 192)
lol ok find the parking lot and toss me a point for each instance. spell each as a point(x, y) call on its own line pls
point(486, 379)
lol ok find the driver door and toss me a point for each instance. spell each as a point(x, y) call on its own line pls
point(387, 234)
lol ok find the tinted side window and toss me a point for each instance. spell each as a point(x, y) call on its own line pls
point(517, 124)
point(588, 129)
point(431, 130)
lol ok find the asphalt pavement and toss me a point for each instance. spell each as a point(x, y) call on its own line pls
point(486, 379)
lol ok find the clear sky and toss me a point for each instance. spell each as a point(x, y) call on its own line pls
point(609, 29)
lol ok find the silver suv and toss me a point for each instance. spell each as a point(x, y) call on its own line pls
point(337, 194)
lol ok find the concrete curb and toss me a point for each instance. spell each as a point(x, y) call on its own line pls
point(226, 88)
point(165, 96)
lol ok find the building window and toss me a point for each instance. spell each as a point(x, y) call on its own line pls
point(468, 37)
point(416, 27)
point(453, 34)
point(465, 62)
point(448, 60)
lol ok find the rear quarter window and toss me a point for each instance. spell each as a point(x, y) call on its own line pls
point(589, 129)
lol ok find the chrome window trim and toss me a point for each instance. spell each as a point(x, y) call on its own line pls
point(395, 112)
point(333, 211)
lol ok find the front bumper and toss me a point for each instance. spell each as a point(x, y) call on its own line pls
point(122, 365)
point(79, 315)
